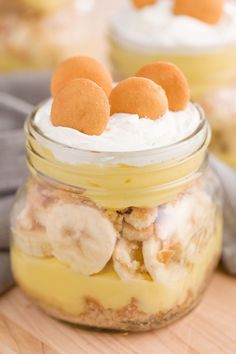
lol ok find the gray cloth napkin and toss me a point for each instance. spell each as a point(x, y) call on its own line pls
point(17, 93)
point(31, 87)
point(227, 177)
point(6, 279)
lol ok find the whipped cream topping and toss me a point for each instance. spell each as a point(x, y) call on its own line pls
point(156, 27)
point(125, 133)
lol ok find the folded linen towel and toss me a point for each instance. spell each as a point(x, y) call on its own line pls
point(17, 93)
point(6, 280)
point(227, 177)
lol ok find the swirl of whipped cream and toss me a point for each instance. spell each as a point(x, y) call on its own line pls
point(125, 133)
point(156, 27)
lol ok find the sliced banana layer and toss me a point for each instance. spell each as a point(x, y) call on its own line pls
point(41, 216)
point(189, 221)
point(81, 237)
point(32, 218)
point(202, 233)
point(25, 219)
point(127, 260)
point(30, 238)
point(164, 272)
point(184, 229)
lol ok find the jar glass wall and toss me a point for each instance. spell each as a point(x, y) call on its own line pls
point(116, 245)
point(39, 34)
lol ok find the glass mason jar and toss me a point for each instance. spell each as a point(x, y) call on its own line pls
point(211, 73)
point(125, 240)
point(40, 34)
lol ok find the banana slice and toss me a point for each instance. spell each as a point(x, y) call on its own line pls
point(81, 237)
point(25, 219)
point(41, 216)
point(127, 260)
point(33, 243)
point(203, 228)
point(166, 273)
point(29, 237)
point(31, 218)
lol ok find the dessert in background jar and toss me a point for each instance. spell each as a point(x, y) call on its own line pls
point(39, 34)
point(197, 35)
point(220, 106)
point(119, 223)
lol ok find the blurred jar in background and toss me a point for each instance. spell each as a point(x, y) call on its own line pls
point(39, 34)
point(205, 52)
point(220, 106)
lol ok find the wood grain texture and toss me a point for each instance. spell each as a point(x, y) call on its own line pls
point(211, 328)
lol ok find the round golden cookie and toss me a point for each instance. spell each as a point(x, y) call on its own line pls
point(172, 80)
point(141, 96)
point(81, 105)
point(81, 67)
point(142, 3)
point(209, 11)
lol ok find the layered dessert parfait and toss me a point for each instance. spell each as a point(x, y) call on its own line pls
point(220, 106)
point(39, 34)
point(119, 224)
point(197, 35)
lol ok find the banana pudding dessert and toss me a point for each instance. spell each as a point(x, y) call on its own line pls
point(220, 106)
point(199, 36)
point(119, 223)
point(39, 34)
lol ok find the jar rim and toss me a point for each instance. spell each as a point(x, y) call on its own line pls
point(181, 149)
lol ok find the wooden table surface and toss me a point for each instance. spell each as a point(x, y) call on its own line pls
point(210, 329)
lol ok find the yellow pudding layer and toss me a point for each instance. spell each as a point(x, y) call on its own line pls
point(14, 62)
point(50, 282)
point(223, 143)
point(121, 186)
point(10, 62)
point(45, 6)
point(203, 71)
point(227, 157)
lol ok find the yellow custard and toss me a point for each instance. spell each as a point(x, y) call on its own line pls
point(204, 71)
point(228, 158)
point(122, 186)
point(223, 144)
point(41, 279)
